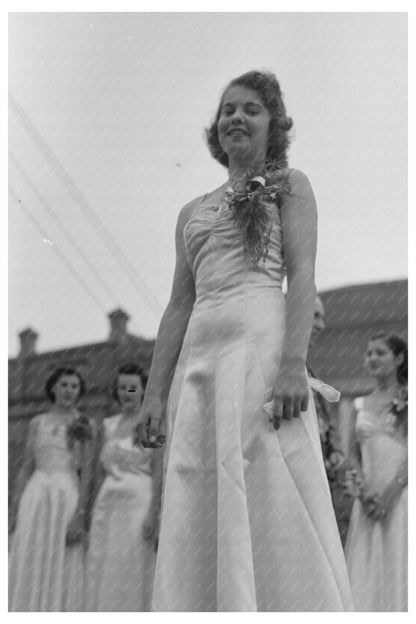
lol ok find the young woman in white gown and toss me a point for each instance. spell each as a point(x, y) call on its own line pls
point(46, 565)
point(376, 547)
point(247, 522)
point(121, 554)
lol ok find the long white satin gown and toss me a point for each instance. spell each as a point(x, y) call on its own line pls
point(247, 519)
point(44, 574)
point(377, 551)
point(120, 562)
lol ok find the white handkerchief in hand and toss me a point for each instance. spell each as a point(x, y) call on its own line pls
point(328, 392)
point(268, 405)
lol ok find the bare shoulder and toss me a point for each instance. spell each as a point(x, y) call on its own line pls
point(35, 421)
point(187, 211)
point(299, 182)
point(300, 203)
point(34, 428)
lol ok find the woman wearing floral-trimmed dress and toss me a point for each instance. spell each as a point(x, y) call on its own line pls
point(46, 564)
point(376, 547)
point(247, 522)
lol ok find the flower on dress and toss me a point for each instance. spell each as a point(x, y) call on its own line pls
point(80, 430)
point(398, 407)
point(252, 208)
point(353, 483)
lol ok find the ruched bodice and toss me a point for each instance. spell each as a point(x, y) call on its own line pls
point(52, 453)
point(216, 255)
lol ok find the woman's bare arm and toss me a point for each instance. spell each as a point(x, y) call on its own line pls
point(169, 339)
point(299, 225)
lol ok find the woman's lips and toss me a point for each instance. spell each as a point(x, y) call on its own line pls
point(237, 132)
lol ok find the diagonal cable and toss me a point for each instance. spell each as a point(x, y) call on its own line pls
point(61, 225)
point(83, 204)
point(57, 250)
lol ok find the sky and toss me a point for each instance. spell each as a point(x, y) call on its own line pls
point(106, 143)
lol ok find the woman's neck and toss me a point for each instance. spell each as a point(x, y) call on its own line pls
point(241, 171)
point(387, 386)
point(130, 413)
point(60, 411)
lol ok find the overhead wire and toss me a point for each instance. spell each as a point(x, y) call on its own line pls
point(83, 204)
point(62, 256)
point(62, 226)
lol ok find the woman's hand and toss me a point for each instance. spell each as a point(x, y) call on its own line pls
point(369, 503)
point(290, 394)
point(373, 506)
point(149, 430)
point(336, 460)
point(76, 529)
point(380, 504)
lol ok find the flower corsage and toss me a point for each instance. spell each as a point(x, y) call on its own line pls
point(252, 208)
point(353, 483)
point(79, 430)
point(398, 407)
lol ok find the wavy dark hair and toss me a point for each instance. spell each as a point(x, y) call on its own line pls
point(266, 85)
point(130, 368)
point(55, 377)
point(398, 346)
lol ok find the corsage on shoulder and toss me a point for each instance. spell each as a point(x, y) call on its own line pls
point(252, 207)
point(398, 407)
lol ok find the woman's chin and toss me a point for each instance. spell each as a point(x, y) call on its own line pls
point(243, 155)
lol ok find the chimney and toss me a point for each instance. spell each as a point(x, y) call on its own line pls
point(118, 325)
point(28, 339)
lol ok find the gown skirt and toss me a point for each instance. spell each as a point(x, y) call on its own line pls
point(120, 561)
point(44, 574)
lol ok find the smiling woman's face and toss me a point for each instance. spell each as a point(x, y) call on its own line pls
point(243, 125)
point(380, 360)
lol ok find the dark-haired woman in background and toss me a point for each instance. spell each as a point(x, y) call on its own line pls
point(46, 567)
point(376, 547)
point(121, 553)
point(247, 520)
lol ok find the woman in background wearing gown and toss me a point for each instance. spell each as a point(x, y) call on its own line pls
point(121, 554)
point(376, 547)
point(46, 565)
point(247, 522)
